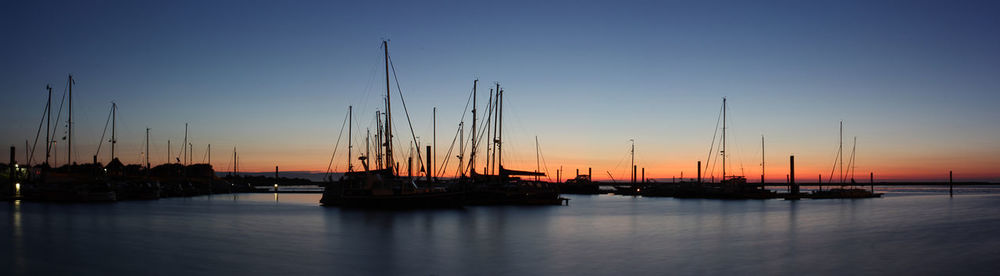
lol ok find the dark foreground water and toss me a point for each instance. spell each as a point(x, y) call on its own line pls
point(912, 230)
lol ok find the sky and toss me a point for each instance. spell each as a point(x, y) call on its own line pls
point(915, 82)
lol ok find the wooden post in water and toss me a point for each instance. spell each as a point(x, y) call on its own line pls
point(794, 189)
point(643, 175)
point(951, 184)
point(871, 181)
point(699, 171)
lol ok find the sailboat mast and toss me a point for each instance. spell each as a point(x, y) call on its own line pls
point(853, 151)
point(388, 110)
point(490, 122)
point(461, 148)
point(434, 143)
point(538, 164)
point(632, 167)
point(762, 161)
point(841, 153)
point(114, 115)
point(69, 142)
point(350, 145)
point(723, 138)
point(147, 150)
point(378, 139)
point(499, 152)
point(368, 135)
point(184, 146)
point(472, 154)
point(48, 123)
point(496, 123)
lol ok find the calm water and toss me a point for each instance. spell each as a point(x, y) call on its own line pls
point(914, 230)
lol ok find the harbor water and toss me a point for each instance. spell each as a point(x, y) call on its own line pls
point(911, 231)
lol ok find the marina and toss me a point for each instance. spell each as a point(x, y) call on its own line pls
point(499, 138)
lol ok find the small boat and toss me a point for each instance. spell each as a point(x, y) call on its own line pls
point(844, 191)
point(581, 184)
point(730, 187)
point(507, 189)
point(383, 189)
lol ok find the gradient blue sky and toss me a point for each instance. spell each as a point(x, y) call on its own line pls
point(915, 81)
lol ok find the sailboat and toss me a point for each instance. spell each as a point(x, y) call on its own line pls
point(844, 191)
point(383, 187)
point(730, 186)
point(498, 185)
point(633, 188)
point(72, 182)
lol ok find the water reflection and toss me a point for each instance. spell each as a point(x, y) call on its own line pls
point(290, 234)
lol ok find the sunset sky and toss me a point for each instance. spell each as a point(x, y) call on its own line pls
point(915, 81)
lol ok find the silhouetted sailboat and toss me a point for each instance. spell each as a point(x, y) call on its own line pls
point(731, 186)
point(72, 182)
point(383, 187)
point(844, 191)
point(498, 185)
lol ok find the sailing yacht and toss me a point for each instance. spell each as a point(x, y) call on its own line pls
point(844, 191)
point(383, 187)
point(731, 186)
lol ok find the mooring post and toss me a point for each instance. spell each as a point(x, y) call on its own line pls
point(699, 171)
point(871, 181)
point(794, 189)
